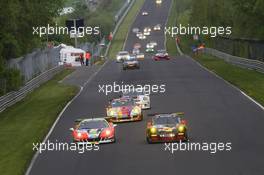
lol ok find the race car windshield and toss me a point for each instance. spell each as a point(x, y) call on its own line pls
point(122, 103)
point(165, 120)
point(93, 125)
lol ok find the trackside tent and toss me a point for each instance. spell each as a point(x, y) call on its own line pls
point(69, 56)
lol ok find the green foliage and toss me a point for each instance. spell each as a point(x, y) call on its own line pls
point(246, 17)
point(36, 113)
point(17, 19)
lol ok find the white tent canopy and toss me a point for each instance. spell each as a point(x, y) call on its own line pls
point(70, 55)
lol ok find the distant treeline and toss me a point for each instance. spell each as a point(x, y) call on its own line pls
point(246, 17)
point(16, 34)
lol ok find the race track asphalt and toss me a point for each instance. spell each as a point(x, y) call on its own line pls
point(215, 111)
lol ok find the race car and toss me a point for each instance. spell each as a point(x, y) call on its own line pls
point(166, 128)
point(154, 43)
point(157, 27)
point(147, 31)
point(123, 110)
point(121, 56)
point(158, 1)
point(135, 51)
point(139, 96)
point(140, 56)
point(141, 36)
point(135, 30)
point(144, 13)
point(161, 55)
point(95, 130)
point(150, 47)
point(131, 63)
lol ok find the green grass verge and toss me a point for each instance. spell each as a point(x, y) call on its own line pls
point(170, 41)
point(249, 81)
point(28, 122)
point(120, 37)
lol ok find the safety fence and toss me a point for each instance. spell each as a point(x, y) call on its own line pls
point(239, 61)
point(15, 96)
point(40, 66)
point(242, 47)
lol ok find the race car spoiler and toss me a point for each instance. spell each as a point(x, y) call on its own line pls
point(175, 113)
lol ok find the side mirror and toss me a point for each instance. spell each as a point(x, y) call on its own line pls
point(71, 129)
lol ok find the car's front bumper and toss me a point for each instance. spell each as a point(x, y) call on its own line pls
point(176, 138)
point(131, 66)
point(95, 141)
point(126, 119)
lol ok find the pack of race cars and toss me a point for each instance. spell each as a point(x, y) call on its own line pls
point(161, 127)
point(131, 60)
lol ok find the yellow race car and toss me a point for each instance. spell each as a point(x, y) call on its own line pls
point(123, 110)
point(166, 128)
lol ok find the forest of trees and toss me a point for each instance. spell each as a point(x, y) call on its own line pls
point(16, 32)
point(246, 17)
point(18, 17)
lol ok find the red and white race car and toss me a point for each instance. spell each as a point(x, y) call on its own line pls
point(161, 55)
point(123, 110)
point(95, 130)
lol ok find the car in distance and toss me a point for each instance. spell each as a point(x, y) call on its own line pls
point(166, 128)
point(121, 56)
point(158, 1)
point(161, 55)
point(157, 27)
point(131, 63)
point(144, 13)
point(140, 56)
point(147, 31)
point(94, 130)
point(135, 51)
point(149, 47)
point(135, 30)
point(139, 96)
point(141, 36)
point(123, 110)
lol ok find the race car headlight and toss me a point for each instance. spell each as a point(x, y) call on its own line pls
point(79, 134)
point(136, 111)
point(113, 113)
point(153, 130)
point(107, 132)
point(181, 128)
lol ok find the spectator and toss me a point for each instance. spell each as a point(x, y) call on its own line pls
point(87, 58)
point(81, 59)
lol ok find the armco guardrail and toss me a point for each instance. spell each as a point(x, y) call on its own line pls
point(243, 62)
point(128, 7)
point(13, 97)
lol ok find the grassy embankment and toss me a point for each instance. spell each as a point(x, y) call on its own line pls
point(120, 37)
point(28, 121)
